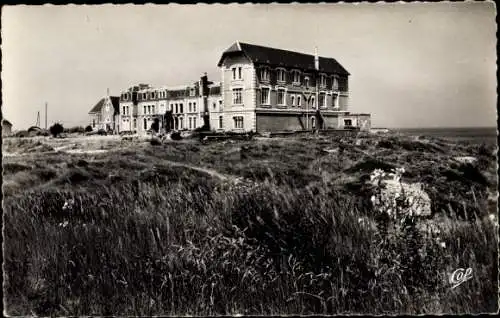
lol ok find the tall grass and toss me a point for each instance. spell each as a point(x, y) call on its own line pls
point(183, 248)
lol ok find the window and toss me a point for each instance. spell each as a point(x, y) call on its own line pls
point(335, 85)
point(293, 100)
point(189, 107)
point(299, 100)
point(194, 107)
point(236, 73)
point(281, 97)
point(144, 110)
point(194, 122)
point(145, 124)
point(191, 92)
point(153, 108)
point(144, 96)
point(181, 107)
point(335, 100)
point(220, 122)
point(347, 122)
point(264, 74)
point(322, 100)
point(238, 122)
point(281, 75)
point(181, 121)
point(124, 108)
point(237, 100)
point(306, 82)
point(264, 93)
point(93, 123)
point(215, 105)
point(312, 102)
point(313, 123)
point(322, 80)
point(190, 122)
point(135, 123)
point(176, 108)
point(296, 77)
point(149, 109)
point(220, 104)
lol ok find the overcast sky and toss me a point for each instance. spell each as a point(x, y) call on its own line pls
point(411, 65)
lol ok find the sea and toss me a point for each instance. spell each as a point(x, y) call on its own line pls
point(469, 134)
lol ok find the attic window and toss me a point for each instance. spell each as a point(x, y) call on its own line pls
point(264, 74)
point(296, 77)
point(322, 80)
point(335, 85)
point(281, 75)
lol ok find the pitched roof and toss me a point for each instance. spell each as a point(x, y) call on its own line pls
point(279, 57)
point(115, 100)
point(97, 107)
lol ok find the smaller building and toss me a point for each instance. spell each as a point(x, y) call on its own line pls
point(104, 115)
point(6, 128)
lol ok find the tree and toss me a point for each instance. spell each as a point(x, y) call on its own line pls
point(88, 128)
point(56, 129)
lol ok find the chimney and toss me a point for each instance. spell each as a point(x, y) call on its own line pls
point(204, 85)
point(316, 58)
point(107, 91)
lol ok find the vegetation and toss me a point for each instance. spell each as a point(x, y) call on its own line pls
point(56, 129)
point(268, 226)
point(88, 128)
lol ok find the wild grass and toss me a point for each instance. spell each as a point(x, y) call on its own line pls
point(126, 233)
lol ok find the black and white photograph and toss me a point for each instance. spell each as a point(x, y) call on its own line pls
point(249, 159)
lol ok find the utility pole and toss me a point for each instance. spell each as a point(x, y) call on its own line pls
point(45, 115)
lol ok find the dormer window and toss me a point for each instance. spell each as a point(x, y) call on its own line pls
point(281, 75)
point(264, 74)
point(335, 85)
point(191, 92)
point(306, 82)
point(322, 80)
point(296, 77)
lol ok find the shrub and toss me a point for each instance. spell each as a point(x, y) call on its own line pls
point(56, 129)
point(88, 128)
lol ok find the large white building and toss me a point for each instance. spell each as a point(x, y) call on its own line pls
point(262, 89)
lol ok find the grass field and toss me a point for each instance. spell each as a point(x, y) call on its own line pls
point(106, 226)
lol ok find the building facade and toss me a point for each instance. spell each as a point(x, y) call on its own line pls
point(262, 89)
point(267, 89)
point(104, 115)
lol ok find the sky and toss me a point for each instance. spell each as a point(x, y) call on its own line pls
point(411, 64)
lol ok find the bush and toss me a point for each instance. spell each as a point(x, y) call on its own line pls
point(56, 129)
point(88, 128)
point(76, 129)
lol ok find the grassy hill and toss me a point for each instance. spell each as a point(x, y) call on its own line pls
point(108, 226)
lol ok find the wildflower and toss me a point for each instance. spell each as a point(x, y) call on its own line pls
point(68, 204)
